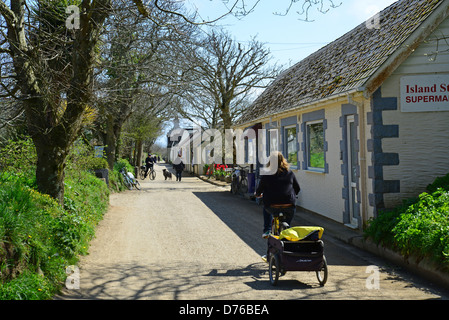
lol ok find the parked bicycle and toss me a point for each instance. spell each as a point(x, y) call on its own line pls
point(129, 180)
point(239, 183)
point(151, 173)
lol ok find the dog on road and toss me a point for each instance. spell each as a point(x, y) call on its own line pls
point(167, 174)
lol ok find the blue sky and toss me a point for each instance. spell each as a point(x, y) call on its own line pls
point(290, 39)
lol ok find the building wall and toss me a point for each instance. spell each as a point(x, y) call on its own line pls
point(399, 153)
point(422, 143)
point(366, 158)
point(321, 192)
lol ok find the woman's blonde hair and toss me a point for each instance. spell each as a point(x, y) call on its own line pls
point(282, 162)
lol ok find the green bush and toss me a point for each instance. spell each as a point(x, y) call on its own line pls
point(380, 230)
point(440, 182)
point(123, 163)
point(27, 286)
point(18, 156)
point(85, 202)
point(82, 158)
point(419, 227)
point(39, 238)
point(26, 238)
point(423, 229)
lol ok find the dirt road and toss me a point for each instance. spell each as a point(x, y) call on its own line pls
point(193, 240)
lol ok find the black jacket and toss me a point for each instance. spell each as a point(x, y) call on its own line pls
point(179, 167)
point(149, 161)
point(278, 188)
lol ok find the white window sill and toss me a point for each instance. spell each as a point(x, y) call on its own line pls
point(311, 170)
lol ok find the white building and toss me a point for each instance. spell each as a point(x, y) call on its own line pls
point(364, 121)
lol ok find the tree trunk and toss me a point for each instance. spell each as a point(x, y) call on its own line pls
point(139, 147)
point(227, 123)
point(226, 113)
point(112, 134)
point(51, 162)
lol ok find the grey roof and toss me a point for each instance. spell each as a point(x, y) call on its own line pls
point(343, 65)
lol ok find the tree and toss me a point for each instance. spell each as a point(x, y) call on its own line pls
point(49, 70)
point(50, 66)
point(145, 125)
point(140, 61)
point(241, 8)
point(226, 74)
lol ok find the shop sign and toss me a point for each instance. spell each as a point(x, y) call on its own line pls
point(425, 93)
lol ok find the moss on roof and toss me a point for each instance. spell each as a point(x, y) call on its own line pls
point(343, 65)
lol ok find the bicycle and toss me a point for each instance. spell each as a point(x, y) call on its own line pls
point(129, 180)
point(239, 180)
point(278, 224)
point(151, 173)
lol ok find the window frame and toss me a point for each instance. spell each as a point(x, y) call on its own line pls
point(286, 153)
point(308, 166)
point(273, 136)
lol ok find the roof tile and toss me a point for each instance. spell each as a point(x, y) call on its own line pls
point(343, 65)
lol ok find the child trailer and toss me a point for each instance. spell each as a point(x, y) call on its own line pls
point(305, 253)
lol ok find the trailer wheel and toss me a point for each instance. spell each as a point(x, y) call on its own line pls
point(274, 269)
point(322, 274)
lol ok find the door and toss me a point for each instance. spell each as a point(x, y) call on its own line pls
point(352, 171)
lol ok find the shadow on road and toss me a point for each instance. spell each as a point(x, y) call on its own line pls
point(132, 281)
point(240, 215)
point(245, 218)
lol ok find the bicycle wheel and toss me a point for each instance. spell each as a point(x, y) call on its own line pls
point(234, 186)
point(142, 174)
point(152, 175)
point(322, 274)
point(244, 186)
point(274, 268)
point(136, 184)
point(128, 183)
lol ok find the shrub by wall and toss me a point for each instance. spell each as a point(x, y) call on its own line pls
point(419, 227)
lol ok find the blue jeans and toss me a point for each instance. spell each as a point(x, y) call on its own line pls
point(178, 175)
point(268, 212)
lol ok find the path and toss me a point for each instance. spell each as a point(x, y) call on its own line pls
point(193, 240)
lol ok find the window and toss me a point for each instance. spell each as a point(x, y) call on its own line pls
point(273, 140)
point(315, 145)
point(291, 142)
point(250, 150)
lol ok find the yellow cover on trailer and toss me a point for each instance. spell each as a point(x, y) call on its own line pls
point(301, 233)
